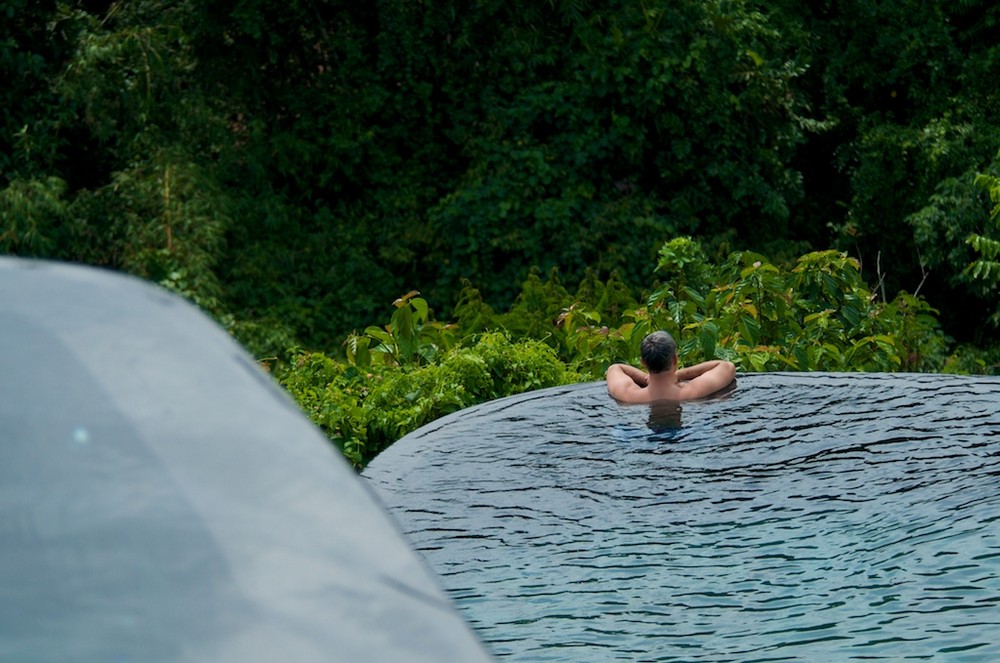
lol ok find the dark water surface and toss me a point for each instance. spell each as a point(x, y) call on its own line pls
point(802, 517)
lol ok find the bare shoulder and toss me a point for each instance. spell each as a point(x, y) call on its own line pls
point(715, 379)
point(622, 385)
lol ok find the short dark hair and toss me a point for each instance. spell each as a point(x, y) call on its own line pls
point(658, 351)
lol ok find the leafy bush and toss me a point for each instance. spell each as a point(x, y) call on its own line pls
point(30, 213)
point(820, 315)
point(332, 394)
point(366, 408)
point(817, 315)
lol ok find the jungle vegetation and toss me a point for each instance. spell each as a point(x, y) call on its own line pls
point(392, 203)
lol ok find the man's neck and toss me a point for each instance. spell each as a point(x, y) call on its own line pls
point(663, 378)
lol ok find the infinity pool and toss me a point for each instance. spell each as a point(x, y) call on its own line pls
point(801, 517)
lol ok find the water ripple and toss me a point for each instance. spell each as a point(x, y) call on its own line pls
point(801, 517)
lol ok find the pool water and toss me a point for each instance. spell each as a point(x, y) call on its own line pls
point(801, 517)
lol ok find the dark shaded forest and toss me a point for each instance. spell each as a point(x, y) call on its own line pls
point(294, 167)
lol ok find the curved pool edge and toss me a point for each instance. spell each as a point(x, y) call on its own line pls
point(743, 382)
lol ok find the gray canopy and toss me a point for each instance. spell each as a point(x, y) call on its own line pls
point(162, 500)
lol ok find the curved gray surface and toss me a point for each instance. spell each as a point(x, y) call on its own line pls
point(162, 500)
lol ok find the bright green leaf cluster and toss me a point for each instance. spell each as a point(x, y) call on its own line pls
point(365, 409)
point(818, 315)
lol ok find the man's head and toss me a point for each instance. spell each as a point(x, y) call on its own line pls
point(658, 352)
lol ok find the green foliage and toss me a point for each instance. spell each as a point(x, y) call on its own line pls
point(31, 211)
point(171, 226)
point(265, 339)
point(363, 411)
point(605, 130)
point(537, 307)
point(817, 315)
point(492, 368)
point(820, 315)
point(125, 134)
point(323, 156)
point(914, 324)
point(410, 338)
point(906, 144)
point(967, 359)
point(683, 264)
point(34, 40)
point(986, 267)
point(332, 394)
point(570, 323)
point(941, 228)
point(472, 314)
point(292, 166)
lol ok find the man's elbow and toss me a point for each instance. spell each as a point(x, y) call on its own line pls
point(728, 370)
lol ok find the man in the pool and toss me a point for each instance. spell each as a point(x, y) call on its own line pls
point(665, 382)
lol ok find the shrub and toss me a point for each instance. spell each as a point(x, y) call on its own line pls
point(365, 409)
point(817, 314)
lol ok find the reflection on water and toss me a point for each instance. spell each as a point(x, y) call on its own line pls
point(664, 416)
point(801, 517)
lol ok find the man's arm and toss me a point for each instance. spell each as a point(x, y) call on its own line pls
point(623, 379)
point(706, 378)
point(691, 372)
